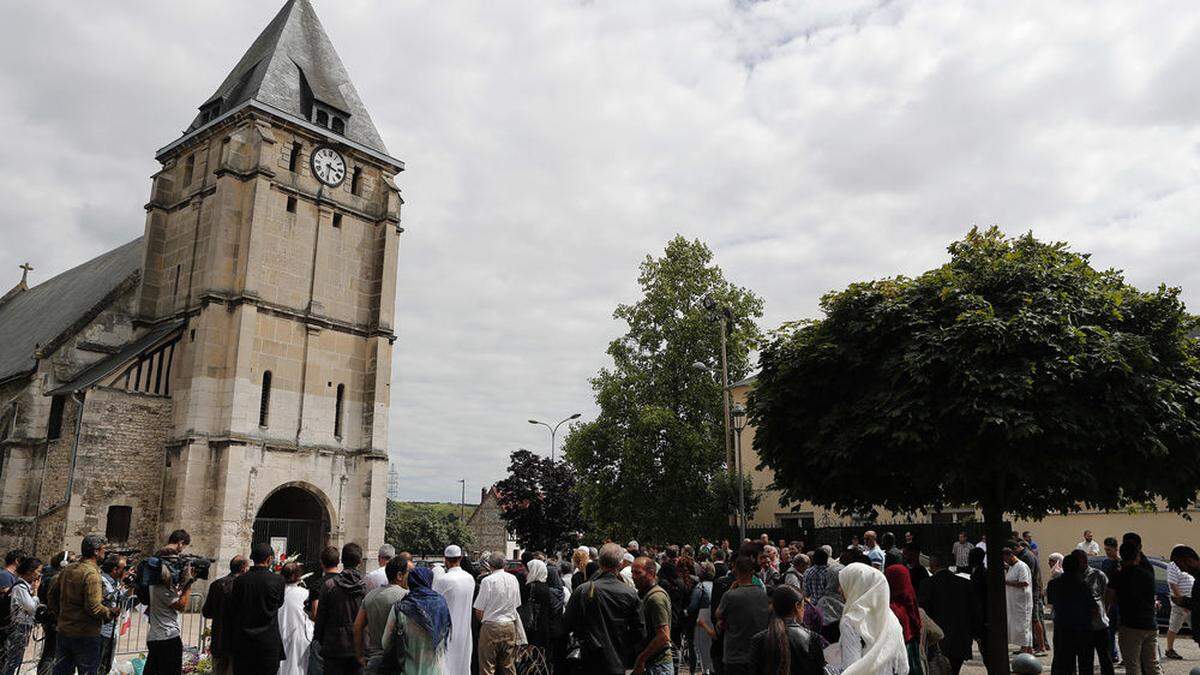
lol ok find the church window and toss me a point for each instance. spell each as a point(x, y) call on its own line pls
point(264, 403)
point(337, 220)
point(116, 527)
point(175, 290)
point(323, 118)
point(54, 424)
point(339, 125)
point(189, 168)
point(294, 158)
point(291, 204)
point(356, 181)
point(337, 410)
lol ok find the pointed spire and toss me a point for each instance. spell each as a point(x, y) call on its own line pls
point(293, 67)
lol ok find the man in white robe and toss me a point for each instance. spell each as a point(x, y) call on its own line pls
point(458, 588)
point(1018, 584)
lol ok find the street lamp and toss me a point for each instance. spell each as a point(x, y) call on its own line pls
point(554, 431)
point(739, 423)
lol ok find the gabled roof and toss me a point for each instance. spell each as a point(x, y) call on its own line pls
point(40, 315)
point(291, 53)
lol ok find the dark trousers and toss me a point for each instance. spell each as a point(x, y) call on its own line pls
point(347, 665)
point(16, 638)
point(739, 669)
point(1102, 645)
point(108, 647)
point(49, 649)
point(164, 657)
point(73, 654)
point(1071, 647)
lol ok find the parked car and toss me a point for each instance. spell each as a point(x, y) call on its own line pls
point(1161, 591)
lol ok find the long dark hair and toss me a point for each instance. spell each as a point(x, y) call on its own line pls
point(779, 654)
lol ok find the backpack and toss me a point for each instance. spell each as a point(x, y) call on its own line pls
point(6, 606)
point(149, 573)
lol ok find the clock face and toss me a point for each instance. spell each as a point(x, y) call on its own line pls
point(329, 166)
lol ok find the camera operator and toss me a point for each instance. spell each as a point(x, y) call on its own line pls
point(168, 598)
point(113, 572)
point(77, 600)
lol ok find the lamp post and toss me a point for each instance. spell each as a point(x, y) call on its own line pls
point(462, 504)
point(554, 430)
point(739, 423)
point(723, 316)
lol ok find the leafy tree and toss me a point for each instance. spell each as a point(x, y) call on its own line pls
point(538, 502)
point(421, 529)
point(646, 464)
point(1015, 377)
point(724, 495)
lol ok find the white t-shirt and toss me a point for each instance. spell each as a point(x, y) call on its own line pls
point(1181, 579)
point(1089, 547)
point(499, 597)
point(376, 579)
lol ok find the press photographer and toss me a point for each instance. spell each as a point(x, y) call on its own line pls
point(118, 594)
point(168, 596)
point(76, 598)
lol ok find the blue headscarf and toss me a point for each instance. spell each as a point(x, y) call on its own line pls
point(426, 606)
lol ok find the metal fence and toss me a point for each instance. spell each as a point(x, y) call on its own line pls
point(193, 628)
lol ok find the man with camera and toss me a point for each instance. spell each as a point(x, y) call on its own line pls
point(77, 599)
point(113, 570)
point(168, 597)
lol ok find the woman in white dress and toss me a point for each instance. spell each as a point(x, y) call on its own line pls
point(295, 626)
point(871, 641)
point(1018, 586)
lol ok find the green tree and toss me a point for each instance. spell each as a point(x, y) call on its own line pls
point(538, 502)
point(1015, 377)
point(646, 464)
point(422, 530)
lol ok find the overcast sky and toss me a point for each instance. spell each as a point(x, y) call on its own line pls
point(551, 145)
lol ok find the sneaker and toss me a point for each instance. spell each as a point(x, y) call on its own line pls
point(1173, 655)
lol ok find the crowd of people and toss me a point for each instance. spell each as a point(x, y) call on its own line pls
point(877, 607)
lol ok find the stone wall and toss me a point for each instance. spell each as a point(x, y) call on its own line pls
point(487, 525)
point(120, 463)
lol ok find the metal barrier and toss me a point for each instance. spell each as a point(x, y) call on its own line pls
point(193, 629)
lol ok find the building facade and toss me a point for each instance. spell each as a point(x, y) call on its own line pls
point(488, 527)
point(228, 371)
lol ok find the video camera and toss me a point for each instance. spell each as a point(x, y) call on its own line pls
point(175, 564)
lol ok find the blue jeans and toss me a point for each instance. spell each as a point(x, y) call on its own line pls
point(76, 653)
point(660, 669)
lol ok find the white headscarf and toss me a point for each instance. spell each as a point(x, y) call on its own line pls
point(535, 570)
point(867, 605)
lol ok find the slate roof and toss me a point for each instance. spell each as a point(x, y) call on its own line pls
point(38, 316)
point(292, 46)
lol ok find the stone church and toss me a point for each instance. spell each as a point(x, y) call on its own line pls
point(227, 371)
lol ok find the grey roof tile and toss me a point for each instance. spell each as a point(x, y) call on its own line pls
point(38, 316)
point(294, 46)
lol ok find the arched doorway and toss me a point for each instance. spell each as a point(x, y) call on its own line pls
point(294, 519)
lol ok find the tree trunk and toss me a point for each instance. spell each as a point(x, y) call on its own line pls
point(997, 614)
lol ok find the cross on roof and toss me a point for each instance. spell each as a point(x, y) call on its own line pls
point(26, 268)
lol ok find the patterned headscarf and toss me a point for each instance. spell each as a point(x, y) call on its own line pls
point(426, 606)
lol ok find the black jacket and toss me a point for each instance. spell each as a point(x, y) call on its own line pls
point(214, 610)
point(605, 616)
point(251, 616)
point(807, 657)
point(341, 597)
point(947, 599)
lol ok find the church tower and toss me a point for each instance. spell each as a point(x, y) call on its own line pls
point(271, 243)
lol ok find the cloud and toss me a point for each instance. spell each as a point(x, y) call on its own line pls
point(551, 146)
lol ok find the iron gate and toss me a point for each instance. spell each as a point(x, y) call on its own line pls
point(302, 537)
